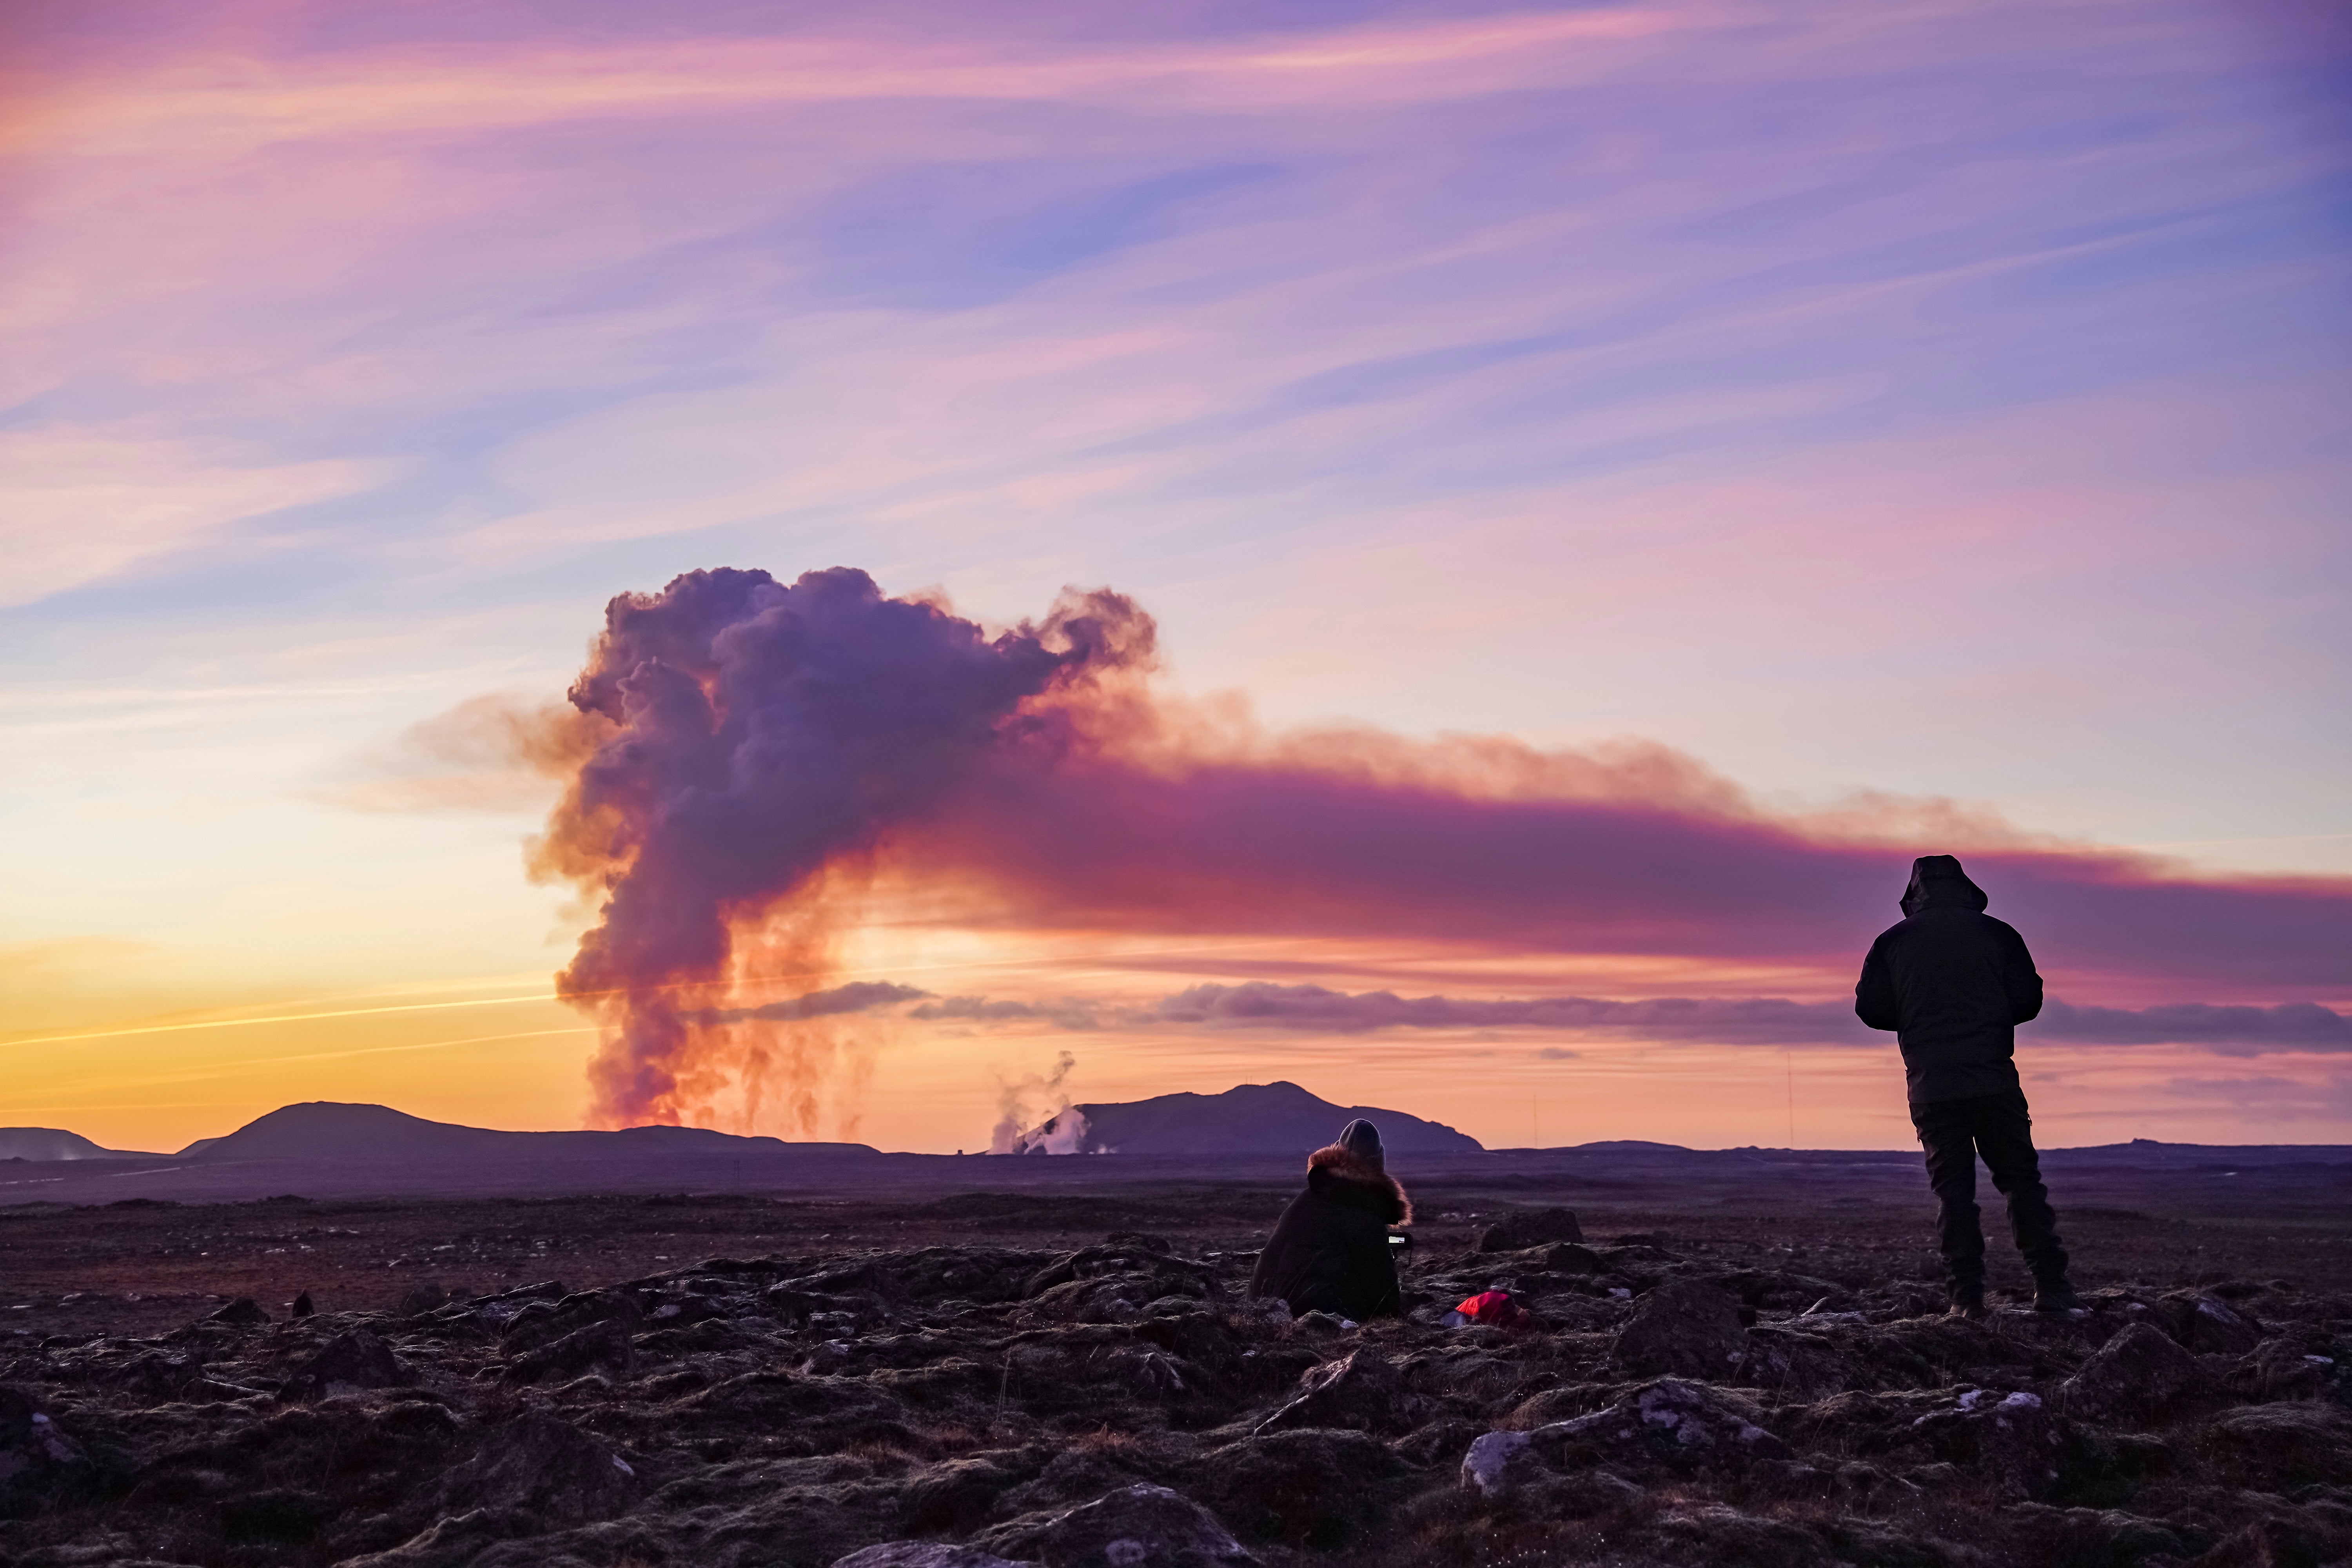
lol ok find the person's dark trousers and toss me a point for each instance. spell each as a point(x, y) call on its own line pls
point(1996, 1127)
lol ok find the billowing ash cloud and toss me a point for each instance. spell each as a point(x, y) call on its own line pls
point(759, 749)
point(1350, 836)
point(756, 735)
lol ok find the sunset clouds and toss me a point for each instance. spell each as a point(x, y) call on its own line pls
point(2294, 1027)
point(1855, 409)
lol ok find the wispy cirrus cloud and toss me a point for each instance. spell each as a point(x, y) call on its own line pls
point(80, 506)
point(187, 111)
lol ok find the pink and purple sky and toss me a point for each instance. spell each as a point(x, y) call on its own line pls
point(1800, 436)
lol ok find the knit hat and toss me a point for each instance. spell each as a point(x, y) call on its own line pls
point(1362, 1139)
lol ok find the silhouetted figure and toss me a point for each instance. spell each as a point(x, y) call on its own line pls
point(1330, 1250)
point(1954, 984)
point(302, 1308)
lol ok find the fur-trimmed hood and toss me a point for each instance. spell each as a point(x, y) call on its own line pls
point(1334, 1172)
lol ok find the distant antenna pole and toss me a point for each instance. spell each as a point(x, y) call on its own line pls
point(1792, 1058)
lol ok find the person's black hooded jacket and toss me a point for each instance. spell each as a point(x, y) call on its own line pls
point(1329, 1251)
point(1953, 982)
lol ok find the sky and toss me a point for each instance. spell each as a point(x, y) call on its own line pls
point(1781, 438)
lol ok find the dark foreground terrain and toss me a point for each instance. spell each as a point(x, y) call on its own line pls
point(1742, 1363)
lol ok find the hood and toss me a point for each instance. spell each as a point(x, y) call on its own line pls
point(1938, 883)
point(1337, 1163)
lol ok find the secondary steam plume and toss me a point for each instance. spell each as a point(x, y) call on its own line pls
point(756, 737)
point(1038, 1107)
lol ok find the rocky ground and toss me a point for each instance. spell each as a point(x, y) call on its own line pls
point(1076, 1378)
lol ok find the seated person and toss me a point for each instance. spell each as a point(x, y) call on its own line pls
point(1330, 1250)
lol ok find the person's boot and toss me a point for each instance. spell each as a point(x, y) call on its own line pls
point(2054, 1294)
point(1968, 1301)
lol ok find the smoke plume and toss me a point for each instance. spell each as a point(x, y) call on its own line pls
point(757, 738)
point(1038, 1103)
point(759, 757)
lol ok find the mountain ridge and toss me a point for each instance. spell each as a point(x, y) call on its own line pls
point(339, 1131)
point(1277, 1118)
point(57, 1144)
point(345, 1130)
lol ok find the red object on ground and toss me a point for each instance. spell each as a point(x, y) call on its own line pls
point(1496, 1307)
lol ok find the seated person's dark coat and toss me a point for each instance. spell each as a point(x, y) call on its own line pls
point(1329, 1252)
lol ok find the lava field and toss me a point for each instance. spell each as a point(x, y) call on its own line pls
point(1078, 1380)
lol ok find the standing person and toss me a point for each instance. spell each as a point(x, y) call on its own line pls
point(1329, 1252)
point(1954, 984)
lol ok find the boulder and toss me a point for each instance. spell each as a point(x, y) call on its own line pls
point(1141, 1241)
point(1140, 1526)
point(2006, 1439)
point(348, 1364)
point(685, 1309)
point(955, 1495)
point(842, 1280)
point(36, 1455)
point(1669, 1419)
point(1163, 1273)
point(964, 1273)
point(1684, 1328)
point(302, 1307)
point(2278, 1447)
point(429, 1297)
point(1500, 1462)
point(1318, 1488)
point(245, 1312)
point(2280, 1369)
point(605, 1344)
point(1360, 1393)
point(924, 1554)
point(2213, 1327)
point(1098, 1300)
point(1155, 1373)
point(1803, 1367)
point(1437, 1443)
point(2139, 1372)
point(162, 1377)
point(2102, 1536)
point(540, 1324)
point(1530, 1228)
point(543, 1466)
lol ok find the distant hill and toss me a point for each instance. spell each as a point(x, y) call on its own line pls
point(1251, 1119)
point(332, 1130)
point(54, 1143)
